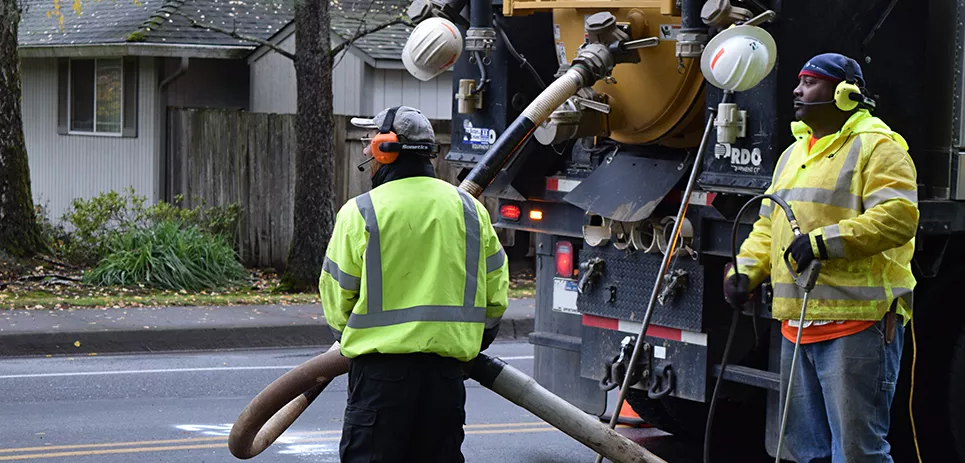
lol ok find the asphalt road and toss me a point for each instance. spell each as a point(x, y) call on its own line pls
point(179, 407)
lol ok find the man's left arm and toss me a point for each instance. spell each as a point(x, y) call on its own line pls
point(497, 282)
point(341, 278)
point(890, 219)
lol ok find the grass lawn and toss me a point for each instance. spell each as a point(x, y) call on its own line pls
point(50, 288)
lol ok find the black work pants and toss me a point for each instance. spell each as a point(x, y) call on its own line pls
point(404, 408)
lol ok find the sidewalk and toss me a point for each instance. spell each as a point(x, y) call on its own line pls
point(95, 331)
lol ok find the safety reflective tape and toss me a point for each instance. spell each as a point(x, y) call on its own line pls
point(765, 209)
point(426, 313)
point(346, 281)
point(833, 241)
point(838, 198)
point(830, 293)
point(662, 332)
point(747, 261)
point(783, 160)
point(495, 261)
point(493, 322)
point(561, 184)
point(847, 168)
point(373, 255)
point(471, 218)
point(886, 194)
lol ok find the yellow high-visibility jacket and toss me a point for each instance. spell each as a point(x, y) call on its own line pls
point(855, 194)
point(414, 266)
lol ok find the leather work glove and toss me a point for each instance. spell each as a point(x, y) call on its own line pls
point(801, 252)
point(737, 290)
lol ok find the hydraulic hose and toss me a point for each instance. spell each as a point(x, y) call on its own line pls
point(522, 128)
point(736, 315)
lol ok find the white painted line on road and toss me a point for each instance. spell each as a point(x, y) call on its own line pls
point(139, 372)
point(179, 370)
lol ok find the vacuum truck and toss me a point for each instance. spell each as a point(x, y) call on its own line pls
point(597, 127)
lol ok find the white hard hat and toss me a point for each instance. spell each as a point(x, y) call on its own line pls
point(432, 48)
point(738, 58)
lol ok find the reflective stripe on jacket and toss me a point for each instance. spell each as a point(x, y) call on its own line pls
point(855, 193)
point(414, 266)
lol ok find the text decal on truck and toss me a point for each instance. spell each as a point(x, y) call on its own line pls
point(741, 159)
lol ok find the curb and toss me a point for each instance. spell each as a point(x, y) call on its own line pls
point(176, 339)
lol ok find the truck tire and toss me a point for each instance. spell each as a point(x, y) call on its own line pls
point(956, 401)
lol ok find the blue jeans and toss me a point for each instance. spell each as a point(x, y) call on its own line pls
point(841, 399)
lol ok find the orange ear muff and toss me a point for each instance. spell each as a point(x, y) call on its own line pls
point(384, 157)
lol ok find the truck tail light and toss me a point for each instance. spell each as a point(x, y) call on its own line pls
point(536, 214)
point(510, 212)
point(564, 259)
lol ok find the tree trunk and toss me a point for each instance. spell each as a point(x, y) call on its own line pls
point(314, 209)
point(19, 232)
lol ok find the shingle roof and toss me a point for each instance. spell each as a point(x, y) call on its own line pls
point(348, 15)
point(151, 21)
point(160, 21)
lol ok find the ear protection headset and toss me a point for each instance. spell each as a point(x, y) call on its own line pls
point(386, 146)
point(847, 95)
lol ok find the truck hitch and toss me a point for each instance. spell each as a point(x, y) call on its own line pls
point(616, 369)
point(590, 270)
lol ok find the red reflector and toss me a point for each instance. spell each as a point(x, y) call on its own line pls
point(564, 259)
point(510, 211)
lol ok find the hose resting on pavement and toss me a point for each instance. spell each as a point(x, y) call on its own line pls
point(273, 410)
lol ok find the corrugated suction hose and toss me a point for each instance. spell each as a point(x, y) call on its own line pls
point(522, 128)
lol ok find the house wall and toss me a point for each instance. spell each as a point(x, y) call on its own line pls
point(208, 83)
point(358, 89)
point(64, 167)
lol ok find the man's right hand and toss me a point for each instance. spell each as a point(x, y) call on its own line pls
point(736, 290)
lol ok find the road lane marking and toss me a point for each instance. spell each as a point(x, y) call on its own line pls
point(179, 370)
point(223, 445)
point(306, 434)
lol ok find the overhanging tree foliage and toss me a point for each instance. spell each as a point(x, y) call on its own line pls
point(314, 204)
point(19, 232)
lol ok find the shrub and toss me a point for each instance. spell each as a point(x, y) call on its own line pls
point(168, 255)
point(98, 221)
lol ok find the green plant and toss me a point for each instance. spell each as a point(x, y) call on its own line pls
point(97, 221)
point(54, 235)
point(168, 255)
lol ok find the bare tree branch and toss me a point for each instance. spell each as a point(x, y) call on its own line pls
point(363, 32)
point(233, 33)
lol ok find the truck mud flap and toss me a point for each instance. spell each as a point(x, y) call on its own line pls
point(627, 188)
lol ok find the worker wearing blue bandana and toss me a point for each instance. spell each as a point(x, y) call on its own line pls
point(852, 185)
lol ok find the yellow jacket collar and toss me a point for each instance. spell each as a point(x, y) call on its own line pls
point(860, 122)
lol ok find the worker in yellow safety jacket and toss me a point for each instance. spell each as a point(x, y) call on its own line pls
point(852, 186)
point(414, 283)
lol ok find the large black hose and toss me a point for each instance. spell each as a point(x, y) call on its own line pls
point(736, 315)
point(481, 14)
point(522, 128)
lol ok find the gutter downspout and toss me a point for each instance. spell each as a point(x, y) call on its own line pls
point(165, 138)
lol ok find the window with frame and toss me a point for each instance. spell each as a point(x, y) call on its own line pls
point(98, 96)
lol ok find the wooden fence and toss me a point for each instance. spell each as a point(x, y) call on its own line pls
point(224, 156)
